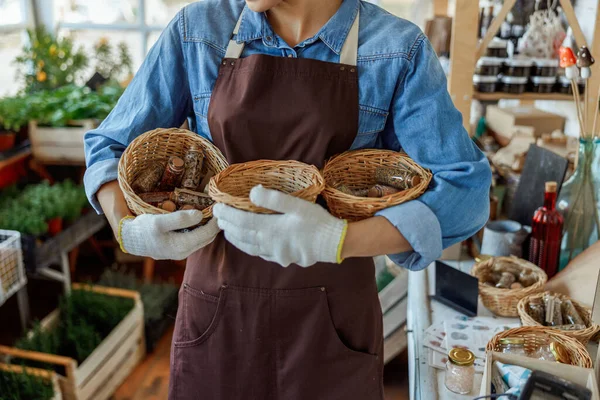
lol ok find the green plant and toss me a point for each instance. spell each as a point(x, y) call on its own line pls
point(13, 113)
point(49, 62)
point(24, 386)
point(113, 63)
point(86, 318)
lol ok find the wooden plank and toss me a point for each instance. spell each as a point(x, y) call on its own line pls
point(594, 82)
point(108, 290)
point(573, 23)
point(102, 378)
point(522, 97)
point(36, 356)
point(462, 61)
point(395, 344)
point(122, 333)
point(440, 7)
point(494, 27)
point(18, 369)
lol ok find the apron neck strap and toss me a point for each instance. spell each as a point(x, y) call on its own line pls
point(348, 54)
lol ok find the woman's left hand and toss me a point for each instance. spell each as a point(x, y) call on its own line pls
point(304, 233)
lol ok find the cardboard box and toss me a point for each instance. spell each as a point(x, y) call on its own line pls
point(505, 121)
point(581, 376)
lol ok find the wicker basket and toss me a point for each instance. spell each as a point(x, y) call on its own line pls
point(356, 170)
point(583, 335)
point(159, 145)
point(504, 302)
point(535, 336)
point(232, 186)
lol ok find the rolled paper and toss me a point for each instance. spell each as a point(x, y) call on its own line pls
point(567, 57)
point(584, 58)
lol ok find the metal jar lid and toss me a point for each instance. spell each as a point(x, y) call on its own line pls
point(462, 357)
point(560, 353)
point(518, 341)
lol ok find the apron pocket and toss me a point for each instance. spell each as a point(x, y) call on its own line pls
point(200, 313)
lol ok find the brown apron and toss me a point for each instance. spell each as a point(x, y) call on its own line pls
point(247, 328)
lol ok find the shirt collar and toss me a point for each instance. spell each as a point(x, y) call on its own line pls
point(255, 26)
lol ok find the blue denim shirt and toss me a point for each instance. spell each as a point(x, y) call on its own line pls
point(403, 101)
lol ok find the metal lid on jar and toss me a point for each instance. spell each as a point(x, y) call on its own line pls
point(546, 62)
point(566, 81)
point(498, 43)
point(560, 353)
point(490, 61)
point(176, 163)
point(484, 79)
point(519, 62)
point(462, 357)
point(543, 80)
point(482, 257)
point(515, 341)
point(515, 80)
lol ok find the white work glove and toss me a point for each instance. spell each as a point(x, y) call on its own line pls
point(153, 235)
point(304, 233)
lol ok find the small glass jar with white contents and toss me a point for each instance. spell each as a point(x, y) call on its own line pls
point(460, 371)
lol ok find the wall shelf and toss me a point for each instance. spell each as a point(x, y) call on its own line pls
point(523, 97)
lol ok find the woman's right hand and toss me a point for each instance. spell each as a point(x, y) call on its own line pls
point(153, 235)
point(156, 236)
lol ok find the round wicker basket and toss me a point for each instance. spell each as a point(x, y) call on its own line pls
point(232, 186)
point(583, 335)
point(356, 170)
point(504, 302)
point(159, 145)
point(536, 336)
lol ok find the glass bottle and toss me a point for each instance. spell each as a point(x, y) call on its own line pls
point(546, 232)
point(172, 176)
point(578, 203)
point(460, 371)
point(513, 345)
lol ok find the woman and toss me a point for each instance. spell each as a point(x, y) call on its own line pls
point(302, 80)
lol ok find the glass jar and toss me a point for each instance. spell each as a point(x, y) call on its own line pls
point(545, 67)
point(564, 85)
point(489, 66)
point(460, 371)
point(554, 352)
point(543, 84)
point(497, 48)
point(536, 310)
point(518, 67)
point(513, 345)
point(578, 202)
point(514, 85)
point(485, 84)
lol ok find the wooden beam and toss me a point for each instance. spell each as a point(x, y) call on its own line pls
point(573, 23)
point(594, 82)
point(462, 60)
point(440, 8)
point(495, 27)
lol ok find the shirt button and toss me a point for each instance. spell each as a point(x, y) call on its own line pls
point(269, 39)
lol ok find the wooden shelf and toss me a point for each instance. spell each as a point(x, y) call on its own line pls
point(525, 96)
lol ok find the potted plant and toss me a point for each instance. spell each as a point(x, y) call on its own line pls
point(13, 117)
point(21, 383)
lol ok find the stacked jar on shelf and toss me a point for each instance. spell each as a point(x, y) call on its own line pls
point(496, 72)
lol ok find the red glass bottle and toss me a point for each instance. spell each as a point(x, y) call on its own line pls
point(546, 233)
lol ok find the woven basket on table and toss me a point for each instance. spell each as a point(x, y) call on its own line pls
point(232, 186)
point(583, 335)
point(504, 302)
point(159, 145)
point(535, 336)
point(356, 170)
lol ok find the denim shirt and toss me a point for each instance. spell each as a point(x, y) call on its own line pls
point(403, 104)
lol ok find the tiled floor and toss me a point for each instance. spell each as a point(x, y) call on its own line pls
point(150, 379)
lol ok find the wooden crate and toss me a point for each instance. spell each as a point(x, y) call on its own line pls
point(62, 145)
point(99, 376)
point(45, 375)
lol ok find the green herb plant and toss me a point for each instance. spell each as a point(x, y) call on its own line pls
point(24, 386)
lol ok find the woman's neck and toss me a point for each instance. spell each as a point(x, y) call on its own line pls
point(297, 20)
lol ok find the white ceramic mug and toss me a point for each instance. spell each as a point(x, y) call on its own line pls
point(503, 238)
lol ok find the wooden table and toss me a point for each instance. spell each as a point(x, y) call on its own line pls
point(425, 382)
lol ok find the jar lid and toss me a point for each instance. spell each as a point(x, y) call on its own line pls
point(560, 353)
point(482, 257)
point(519, 62)
point(498, 43)
point(484, 79)
point(546, 62)
point(543, 80)
point(461, 357)
point(566, 81)
point(514, 80)
point(490, 61)
point(176, 162)
point(513, 340)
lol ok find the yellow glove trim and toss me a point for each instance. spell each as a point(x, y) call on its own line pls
point(341, 244)
point(120, 232)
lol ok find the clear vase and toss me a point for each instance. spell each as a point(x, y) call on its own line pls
point(578, 202)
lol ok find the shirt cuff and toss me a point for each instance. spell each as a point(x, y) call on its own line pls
point(97, 175)
point(421, 228)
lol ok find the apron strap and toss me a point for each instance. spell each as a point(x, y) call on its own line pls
point(348, 54)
